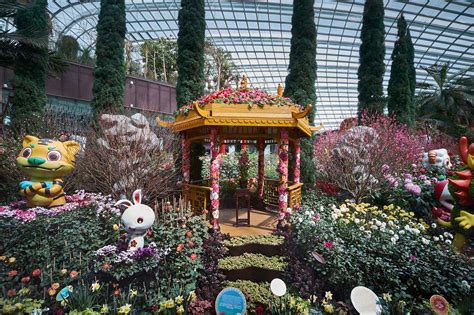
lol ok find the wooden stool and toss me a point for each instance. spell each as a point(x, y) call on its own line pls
point(246, 194)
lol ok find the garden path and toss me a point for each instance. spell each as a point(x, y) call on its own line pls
point(261, 222)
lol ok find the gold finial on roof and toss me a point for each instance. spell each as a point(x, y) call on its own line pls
point(243, 83)
point(280, 90)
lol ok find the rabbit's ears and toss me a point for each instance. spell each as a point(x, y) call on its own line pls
point(136, 198)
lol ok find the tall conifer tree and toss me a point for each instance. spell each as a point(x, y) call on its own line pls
point(371, 58)
point(411, 73)
point(190, 61)
point(109, 70)
point(300, 82)
point(29, 83)
point(399, 87)
point(190, 64)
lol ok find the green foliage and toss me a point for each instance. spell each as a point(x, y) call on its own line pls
point(400, 101)
point(68, 48)
point(20, 305)
point(109, 71)
point(371, 57)
point(300, 82)
point(248, 260)
point(190, 62)
point(448, 102)
point(264, 239)
point(159, 57)
point(30, 69)
point(219, 67)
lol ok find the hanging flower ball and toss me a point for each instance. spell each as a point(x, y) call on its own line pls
point(189, 234)
point(73, 274)
point(191, 244)
point(180, 248)
point(193, 256)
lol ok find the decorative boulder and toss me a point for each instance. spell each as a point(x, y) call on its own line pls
point(437, 158)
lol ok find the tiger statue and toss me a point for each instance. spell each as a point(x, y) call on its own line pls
point(46, 161)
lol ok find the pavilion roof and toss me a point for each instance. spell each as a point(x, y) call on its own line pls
point(243, 108)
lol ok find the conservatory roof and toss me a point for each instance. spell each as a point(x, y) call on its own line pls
point(257, 34)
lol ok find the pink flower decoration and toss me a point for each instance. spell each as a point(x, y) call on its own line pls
point(317, 217)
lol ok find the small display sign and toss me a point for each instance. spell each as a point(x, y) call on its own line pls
point(231, 301)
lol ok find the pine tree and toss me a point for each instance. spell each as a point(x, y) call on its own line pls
point(399, 88)
point(190, 61)
point(190, 64)
point(371, 58)
point(29, 82)
point(300, 82)
point(109, 70)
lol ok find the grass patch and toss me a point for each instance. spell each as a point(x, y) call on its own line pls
point(266, 239)
point(253, 260)
point(255, 292)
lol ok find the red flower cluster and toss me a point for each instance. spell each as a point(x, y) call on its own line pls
point(328, 188)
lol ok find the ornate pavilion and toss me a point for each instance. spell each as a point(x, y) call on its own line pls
point(244, 115)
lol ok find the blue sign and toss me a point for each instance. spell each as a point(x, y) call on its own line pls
point(231, 301)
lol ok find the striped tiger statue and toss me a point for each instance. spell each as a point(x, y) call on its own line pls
point(46, 161)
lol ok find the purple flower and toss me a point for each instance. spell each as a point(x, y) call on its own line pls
point(413, 258)
point(385, 168)
point(413, 188)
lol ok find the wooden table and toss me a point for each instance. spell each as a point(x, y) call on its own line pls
point(245, 193)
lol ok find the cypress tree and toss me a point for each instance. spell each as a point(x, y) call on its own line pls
point(30, 71)
point(190, 61)
point(109, 70)
point(411, 73)
point(399, 88)
point(190, 64)
point(371, 58)
point(300, 81)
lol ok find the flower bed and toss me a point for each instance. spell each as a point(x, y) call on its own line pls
point(80, 244)
point(387, 249)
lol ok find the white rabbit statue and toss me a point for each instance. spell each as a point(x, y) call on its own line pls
point(137, 219)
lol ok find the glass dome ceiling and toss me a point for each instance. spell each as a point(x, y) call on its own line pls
point(258, 33)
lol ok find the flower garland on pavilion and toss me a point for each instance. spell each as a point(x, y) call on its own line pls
point(250, 97)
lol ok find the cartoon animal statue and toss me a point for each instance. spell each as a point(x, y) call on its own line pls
point(137, 219)
point(437, 158)
point(443, 195)
point(461, 187)
point(46, 162)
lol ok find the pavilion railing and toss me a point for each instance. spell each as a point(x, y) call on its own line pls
point(196, 197)
point(270, 193)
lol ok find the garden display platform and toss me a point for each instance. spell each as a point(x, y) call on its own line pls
point(263, 222)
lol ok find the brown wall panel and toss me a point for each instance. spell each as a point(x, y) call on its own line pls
point(76, 83)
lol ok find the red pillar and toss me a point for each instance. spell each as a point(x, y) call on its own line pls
point(261, 168)
point(296, 164)
point(214, 174)
point(283, 171)
point(222, 149)
point(186, 162)
point(244, 145)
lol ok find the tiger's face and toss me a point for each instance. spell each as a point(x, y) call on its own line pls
point(47, 159)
